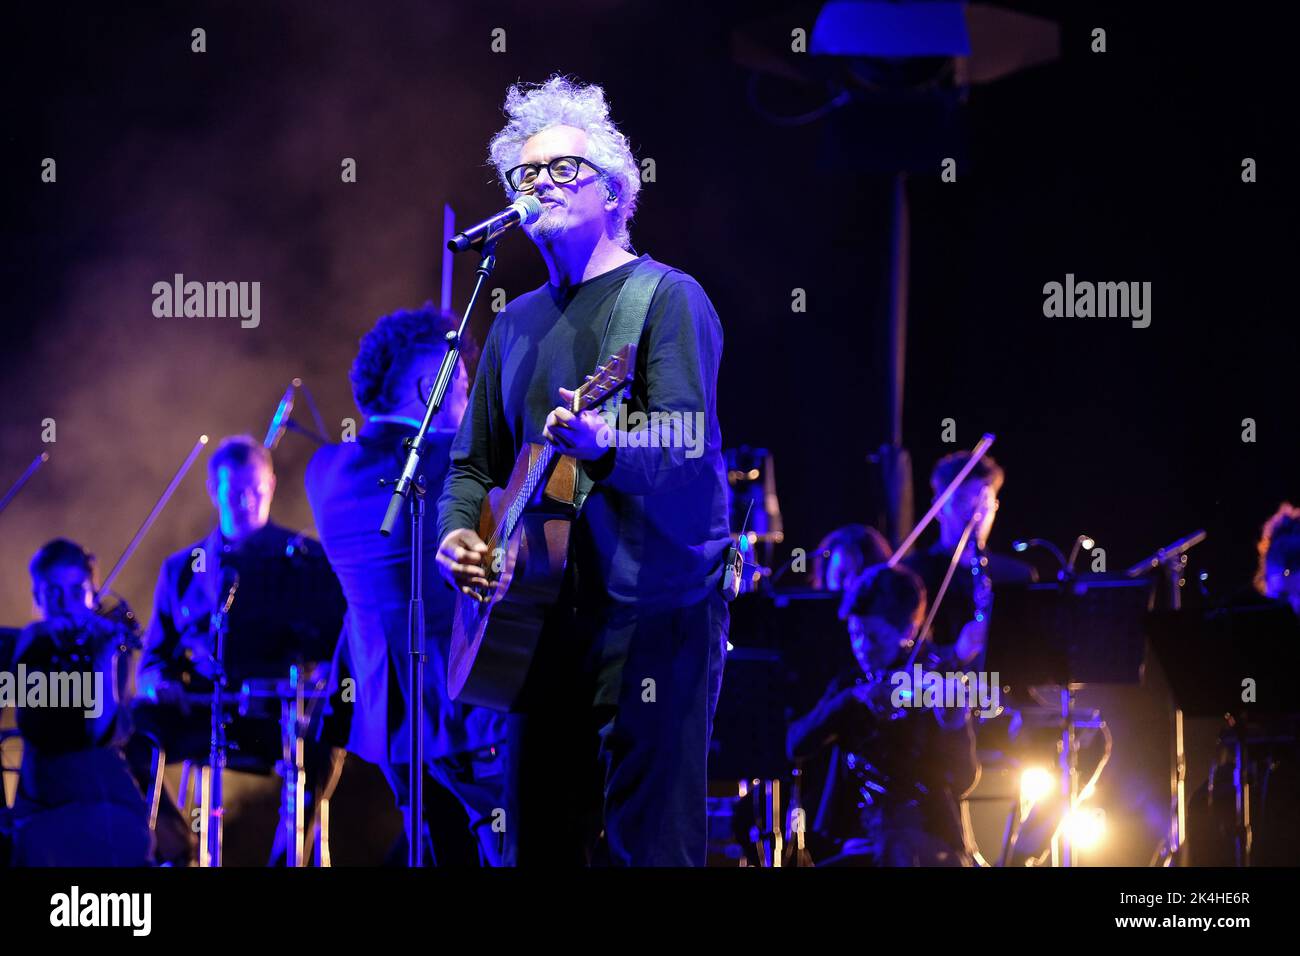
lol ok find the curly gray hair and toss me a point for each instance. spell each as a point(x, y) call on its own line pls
point(562, 101)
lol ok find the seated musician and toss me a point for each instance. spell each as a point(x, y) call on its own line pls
point(897, 773)
point(288, 610)
point(77, 802)
point(1278, 577)
point(963, 618)
point(1275, 767)
point(844, 553)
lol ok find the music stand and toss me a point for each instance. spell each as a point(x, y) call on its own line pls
point(1207, 655)
point(1085, 630)
point(785, 649)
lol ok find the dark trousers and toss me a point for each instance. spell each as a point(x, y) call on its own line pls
point(613, 736)
point(464, 808)
point(80, 809)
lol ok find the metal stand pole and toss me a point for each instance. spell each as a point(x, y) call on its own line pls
point(293, 773)
point(1241, 782)
point(410, 485)
point(771, 835)
point(415, 783)
point(211, 790)
point(893, 459)
point(1069, 771)
point(1178, 795)
point(213, 825)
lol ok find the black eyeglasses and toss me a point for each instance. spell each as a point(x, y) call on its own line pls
point(562, 169)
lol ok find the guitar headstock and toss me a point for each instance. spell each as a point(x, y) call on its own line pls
point(614, 375)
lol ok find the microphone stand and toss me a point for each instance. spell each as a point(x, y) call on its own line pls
point(1170, 562)
point(214, 822)
point(409, 486)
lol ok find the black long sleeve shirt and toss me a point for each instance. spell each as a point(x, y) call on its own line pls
point(289, 607)
point(654, 527)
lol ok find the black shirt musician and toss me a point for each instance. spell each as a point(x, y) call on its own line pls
point(613, 732)
point(77, 802)
point(897, 770)
point(288, 610)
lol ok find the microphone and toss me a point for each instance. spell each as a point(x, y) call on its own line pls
point(229, 585)
point(217, 624)
point(280, 420)
point(523, 211)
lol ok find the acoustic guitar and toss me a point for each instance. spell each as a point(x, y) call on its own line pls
point(526, 527)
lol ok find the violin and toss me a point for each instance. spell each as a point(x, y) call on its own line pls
point(876, 688)
point(78, 641)
point(113, 609)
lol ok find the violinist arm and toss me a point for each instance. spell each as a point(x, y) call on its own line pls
point(61, 629)
point(820, 727)
point(972, 641)
point(124, 675)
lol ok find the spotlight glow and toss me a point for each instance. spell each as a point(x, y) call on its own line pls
point(1085, 827)
point(1035, 784)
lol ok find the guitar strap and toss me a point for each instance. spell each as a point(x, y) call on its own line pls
point(624, 327)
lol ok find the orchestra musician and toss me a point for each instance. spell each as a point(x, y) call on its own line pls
point(463, 745)
point(1278, 575)
point(77, 802)
point(962, 620)
point(288, 610)
point(844, 554)
point(897, 773)
point(612, 731)
point(1273, 767)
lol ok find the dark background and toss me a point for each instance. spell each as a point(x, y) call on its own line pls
point(225, 165)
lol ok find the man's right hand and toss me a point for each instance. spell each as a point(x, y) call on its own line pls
point(462, 559)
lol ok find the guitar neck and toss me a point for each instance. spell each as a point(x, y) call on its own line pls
point(537, 473)
point(596, 389)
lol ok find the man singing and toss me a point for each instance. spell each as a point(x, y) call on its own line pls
point(394, 370)
point(612, 730)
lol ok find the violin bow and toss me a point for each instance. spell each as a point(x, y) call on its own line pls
point(152, 516)
point(17, 486)
point(978, 452)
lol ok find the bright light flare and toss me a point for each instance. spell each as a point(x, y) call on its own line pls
point(1085, 827)
point(1035, 784)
